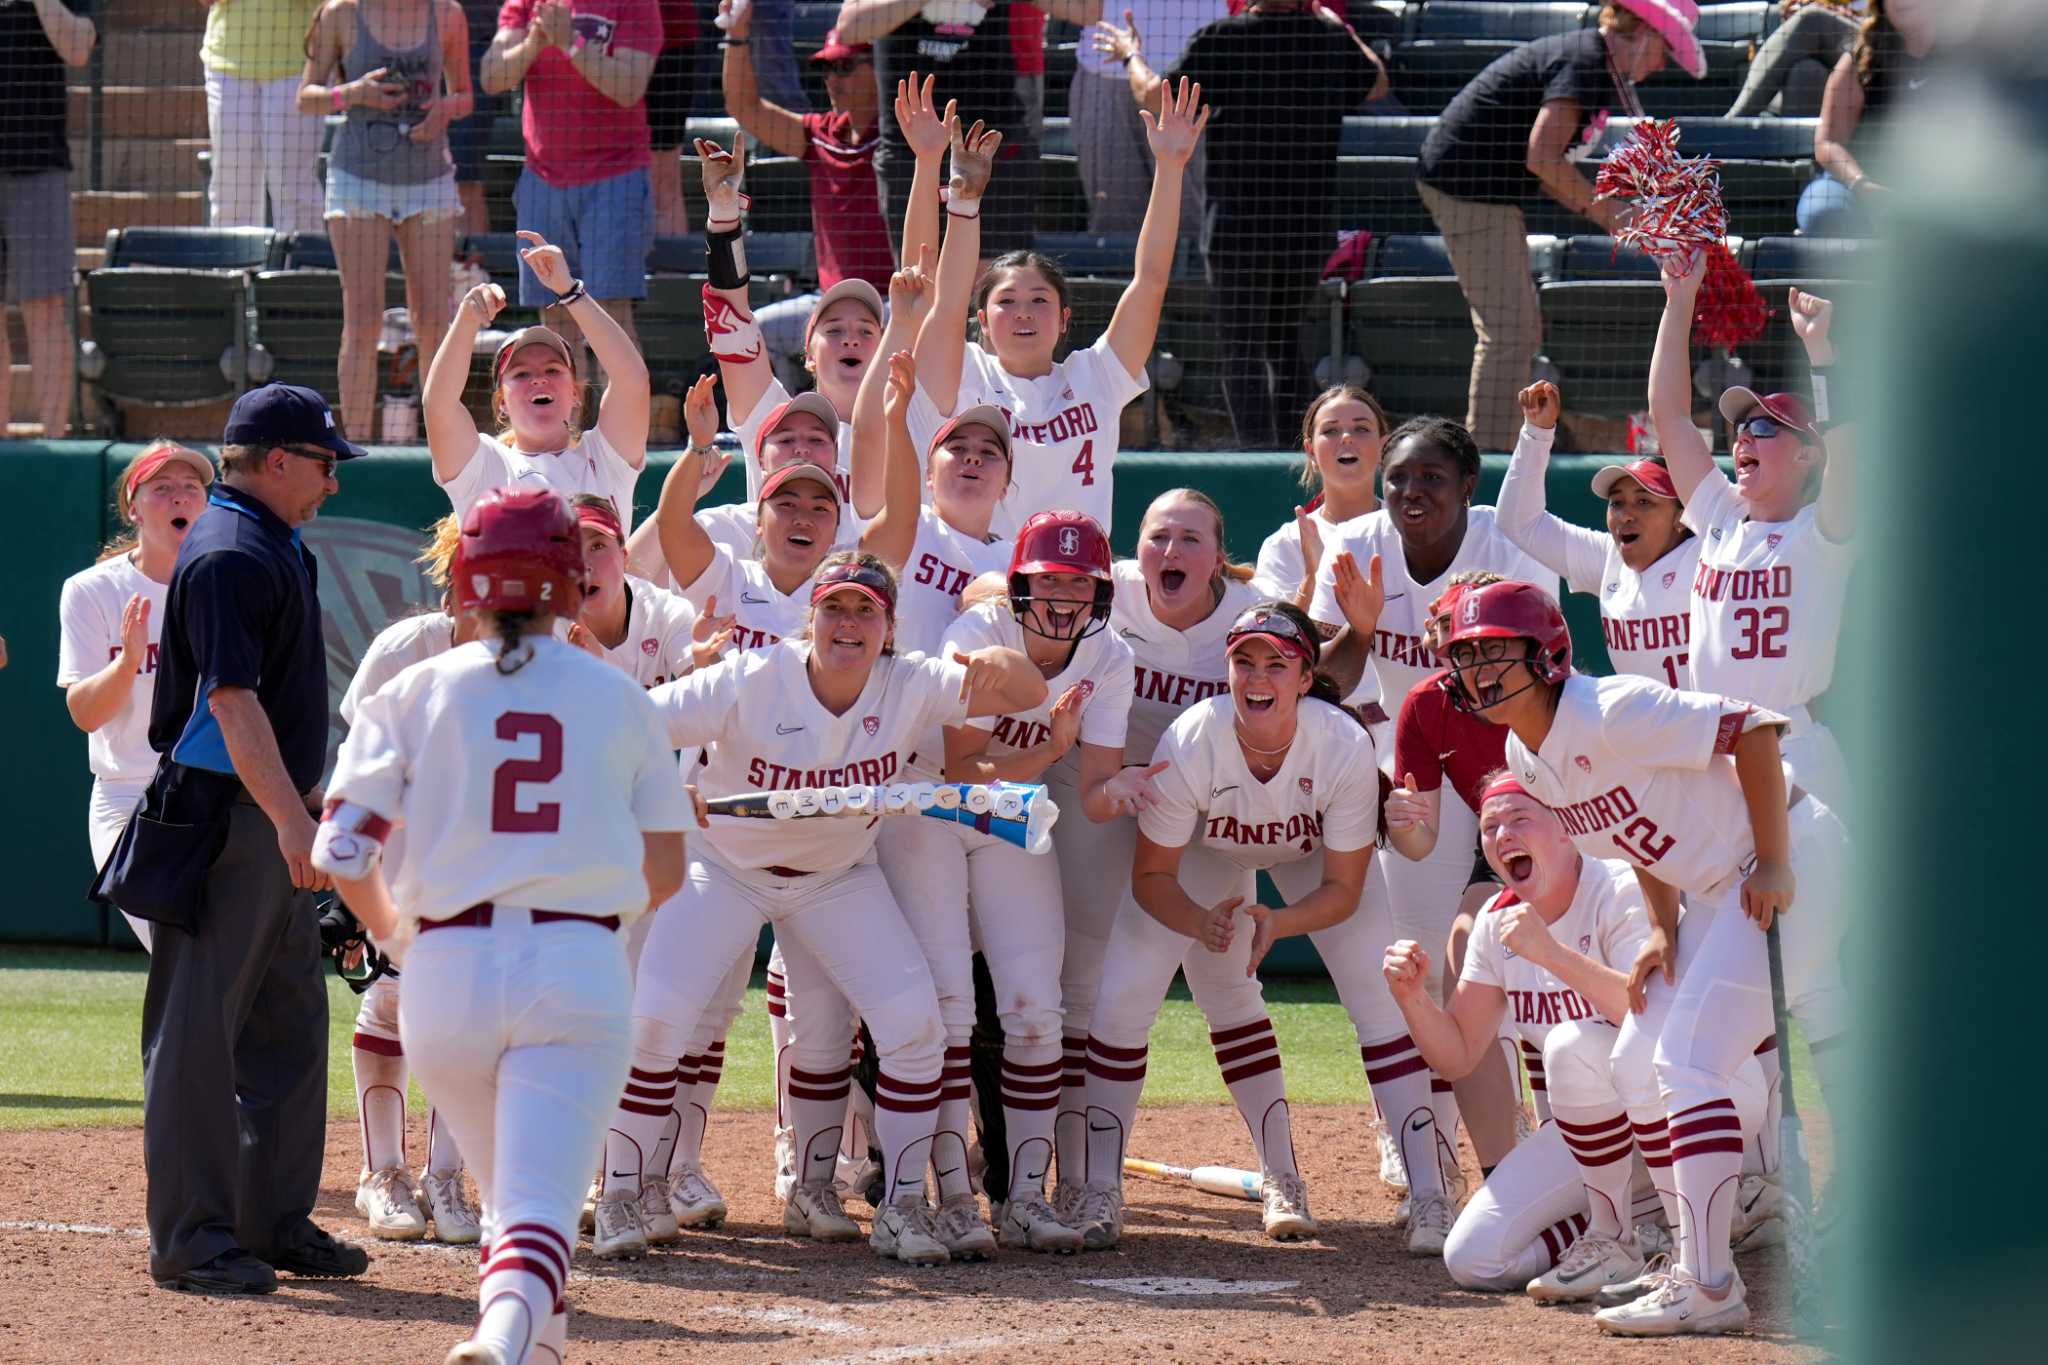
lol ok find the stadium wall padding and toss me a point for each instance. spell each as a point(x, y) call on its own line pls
point(365, 537)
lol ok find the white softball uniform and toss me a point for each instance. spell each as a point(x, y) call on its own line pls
point(1172, 669)
point(943, 561)
point(748, 429)
point(89, 623)
point(1766, 613)
point(1645, 618)
point(1605, 922)
point(656, 647)
point(1281, 566)
point(1101, 668)
point(736, 526)
point(1064, 428)
point(762, 613)
point(588, 466)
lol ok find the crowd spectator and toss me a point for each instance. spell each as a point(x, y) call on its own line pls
point(979, 53)
point(1272, 185)
point(1109, 138)
point(851, 238)
point(263, 145)
point(1519, 129)
point(671, 92)
point(773, 48)
point(36, 233)
point(469, 137)
point(1888, 62)
point(1816, 31)
point(586, 184)
point(399, 71)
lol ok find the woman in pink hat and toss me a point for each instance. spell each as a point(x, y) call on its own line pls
point(1517, 132)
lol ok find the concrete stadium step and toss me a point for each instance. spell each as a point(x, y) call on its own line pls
point(140, 163)
point(96, 212)
point(149, 111)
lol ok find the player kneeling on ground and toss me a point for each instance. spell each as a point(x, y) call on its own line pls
point(526, 769)
point(1555, 946)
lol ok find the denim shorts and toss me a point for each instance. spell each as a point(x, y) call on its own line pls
point(604, 228)
point(355, 196)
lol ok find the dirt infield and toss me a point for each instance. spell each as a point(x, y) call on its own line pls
point(77, 1289)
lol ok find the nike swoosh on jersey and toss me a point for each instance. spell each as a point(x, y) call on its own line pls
point(1220, 791)
point(782, 729)
point(752, 600)
point(1099, 1128)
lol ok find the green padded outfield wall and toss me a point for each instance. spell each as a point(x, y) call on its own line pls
point(366, 538)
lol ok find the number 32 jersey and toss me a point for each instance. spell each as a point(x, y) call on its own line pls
point(528, 789)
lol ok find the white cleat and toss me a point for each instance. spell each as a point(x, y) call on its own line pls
point(813, 1211)
point(1759, 1214)
point(1589, 1266)
point(862, 1177)
point(965, 1234)
point(455, 1219)
point(1287, 1215)
point(475, 1353)
point(694, 1200)
point(1029, 1224)
point(904, 1231)
point(1393, 1173)
point(1656, 1270)
point(1099, 1214)
point(386, 1201)
point(655, 1215)
point(1679, 1306)
point(1429, 1225)
point(785, 1164)
point(619, 1235)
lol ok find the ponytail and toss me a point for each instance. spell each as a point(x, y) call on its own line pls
point(511, 627)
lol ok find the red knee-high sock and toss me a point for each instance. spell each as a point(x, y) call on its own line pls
point(380, 1099)
point(1249, 1056)
point(1400, 1086)
point(949, 1135)
point(906, 1112)
point(1033, 1082)
point(636, 1128)
point(1653, 1140)
point(1116, 1078)
point(520, 1286)
point(1602, 1144)
point(1706, 1166)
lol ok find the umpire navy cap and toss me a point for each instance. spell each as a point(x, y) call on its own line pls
point(286, 415)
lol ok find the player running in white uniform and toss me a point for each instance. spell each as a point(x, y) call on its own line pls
point(537, 396)
point(1641, 570)
point(544, 810)
point(1041, 960)
point(1690, 789)
point(1342, 431)
point(111, 618)
point(830, 708)
point(1064, 414)
point(1548, 958)
point(1774, 560)
point(1275, 777)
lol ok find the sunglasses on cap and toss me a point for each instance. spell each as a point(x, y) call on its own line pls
point(1277, 628)
point(864, 577)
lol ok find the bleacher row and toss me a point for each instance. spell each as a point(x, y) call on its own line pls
point(195, 315)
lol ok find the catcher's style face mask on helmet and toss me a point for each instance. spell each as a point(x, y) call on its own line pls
point(1061, 542)
point(1483, 644)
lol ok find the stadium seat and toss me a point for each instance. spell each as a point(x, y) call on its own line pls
point(1838, 268)
point(1446, 43)
point(313, 251)
point(1378, 193)
point(1409, 320)
point(1601, 304)
point(190, 248)
point(1765, 163)
point(297, 336)
point(166, 337)
point(1728, 36)
point(670, 324)
point(1384, 135)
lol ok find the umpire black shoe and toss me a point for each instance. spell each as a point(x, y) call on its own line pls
point(320, 1257)
point(232, 1272)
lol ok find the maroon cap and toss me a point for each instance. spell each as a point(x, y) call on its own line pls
point(836, 51)
point(1262, 621)
point(1786, 409)
point(1654, 478)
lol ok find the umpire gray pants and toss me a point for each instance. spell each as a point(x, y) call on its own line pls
point(234, 1062)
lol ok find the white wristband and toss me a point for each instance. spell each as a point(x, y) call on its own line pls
point(963, 208)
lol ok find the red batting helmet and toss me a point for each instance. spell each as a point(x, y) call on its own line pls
point(520, 552)
point(1514, 611)
point(1061, 541)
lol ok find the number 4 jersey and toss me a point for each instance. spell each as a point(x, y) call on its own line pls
point(1640, 772)
point(527, 789)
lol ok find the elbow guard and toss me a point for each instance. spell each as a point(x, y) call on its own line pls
point(350, 841)
point(732, 333)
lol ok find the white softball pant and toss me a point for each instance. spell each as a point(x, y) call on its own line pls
point(106, 816)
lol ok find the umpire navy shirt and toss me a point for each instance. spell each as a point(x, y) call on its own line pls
point(243, 611)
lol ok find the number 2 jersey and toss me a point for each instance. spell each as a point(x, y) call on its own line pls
point(528, 789)
point(1606, 922)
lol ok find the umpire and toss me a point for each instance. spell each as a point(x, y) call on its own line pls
point(234, 1025)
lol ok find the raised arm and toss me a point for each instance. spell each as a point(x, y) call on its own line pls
point(869, 21)
point(1454, 1040)
point(71, 35)
point(451, 431)
point(1685, 453)
point(628, 393)
point(1813, 318)
point(684, 546)
point(1122, 43)
point(1575, 553)
point(729, 326)
point(1173, 134)
point(881, 490)
point(764, 120)
point(928, 132)
point(942, 342)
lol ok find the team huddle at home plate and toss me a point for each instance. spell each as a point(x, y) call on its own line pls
point(549, 808)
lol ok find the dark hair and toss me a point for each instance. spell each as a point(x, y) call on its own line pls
point(1878, 46)
point(1447, 438)
point(1336, 393)
point(510, 628)
point(1055, 275)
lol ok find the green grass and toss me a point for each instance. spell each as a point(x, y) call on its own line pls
point(70, 1053)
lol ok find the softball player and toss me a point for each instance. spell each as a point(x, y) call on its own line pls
point(1690, 789)
point(1427, 533)
point(1556, 944)
point(110, 620)
point(525, 770)
point(1774, 566)
point(537, 397)
point(1342, 432)
point(1271, 777)
point(1041, 958)
point(831, 708)
point(644, 631)
point(1064, 414)
point(1641, 570)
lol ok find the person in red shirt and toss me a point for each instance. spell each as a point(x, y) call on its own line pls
point(585, 65)
point(838, 148)
point(671, 92)
point(1436, 742)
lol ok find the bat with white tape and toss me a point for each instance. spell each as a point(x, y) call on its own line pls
point(1018, 812)
point(1228, 1181)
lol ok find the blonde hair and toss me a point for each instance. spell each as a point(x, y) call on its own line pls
point(1311, 477)
point(1226, 569)
point(1615, 19)
point(437, 559)
point(123, 497)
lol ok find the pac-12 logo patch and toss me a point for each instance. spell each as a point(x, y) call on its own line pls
point(1087, 686)
point(871, 724)
point(1585, 764)
point(1308, 786)
point(1585, 944)
point(648, 647)
point(1771, 541)
point(1670, 578)
point(1070, 541)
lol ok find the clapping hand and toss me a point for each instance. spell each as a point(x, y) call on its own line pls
point(1360, 596)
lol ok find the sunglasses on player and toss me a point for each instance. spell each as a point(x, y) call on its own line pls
point(845, 66)
point(1762, 427)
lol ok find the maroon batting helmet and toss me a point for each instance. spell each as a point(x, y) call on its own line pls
point(1061, 541)
point(520, 552)
point(1512, 611)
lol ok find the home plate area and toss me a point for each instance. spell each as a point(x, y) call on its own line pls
point(1194, 1279)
